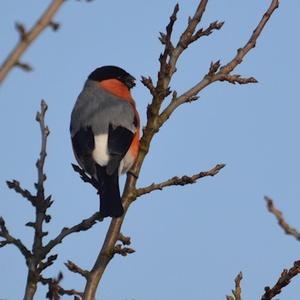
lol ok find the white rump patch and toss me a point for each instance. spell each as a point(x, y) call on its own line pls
point(100, 153)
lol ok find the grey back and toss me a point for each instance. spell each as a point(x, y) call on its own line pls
point(97, 108)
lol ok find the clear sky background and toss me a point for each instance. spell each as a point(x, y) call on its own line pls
point(191, 241)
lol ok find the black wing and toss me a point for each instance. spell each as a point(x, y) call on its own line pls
point(119, 141)
point(83, 144)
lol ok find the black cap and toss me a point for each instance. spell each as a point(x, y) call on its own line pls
point(112, 72)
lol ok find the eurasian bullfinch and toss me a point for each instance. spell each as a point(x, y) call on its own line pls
point(105, 132)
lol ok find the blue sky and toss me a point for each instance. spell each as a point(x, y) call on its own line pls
point(190, 241)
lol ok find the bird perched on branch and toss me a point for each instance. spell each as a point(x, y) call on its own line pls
point(105, 132)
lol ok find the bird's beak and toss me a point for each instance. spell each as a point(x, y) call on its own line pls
point(130, 81)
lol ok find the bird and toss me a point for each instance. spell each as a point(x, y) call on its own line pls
point(104, 131)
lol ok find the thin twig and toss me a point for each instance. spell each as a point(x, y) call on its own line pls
point(37, 261)
point(179, 180)
point(242, 52)
point(9, 239)
point(41, 204)
point(284, 279)
point(123, 251)
point(82, 226)
point(237, 292)
point(222, 74)
point(55, 290)
point(40, 118)
point(155, 120)
point(49, 262)
point(85, 177)
point(27, 37)
point(281, 221)
point(206, 32)
point(15, 185)
point(126, 241)
point(76, 269)
point(233, 79)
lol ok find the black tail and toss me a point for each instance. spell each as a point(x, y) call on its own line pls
point(110, 199)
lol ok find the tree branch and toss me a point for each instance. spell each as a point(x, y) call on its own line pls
point(15, 185)
point(179, 180)
point(76, 269)
point(41, 204)
point(223, 74)
point(36, 261)
point(206, 32)
point(242, 52)
point(233, 79)
point(281, 221)
point(9, 239)
point(124, 251)
point(49, 262)
point(284, 279)
point(125, 240)
point(55, 290)
point(82, 226)
point(237, 292)
point(155, 120)
point(40, 118)
point(85, 177)
point(26, 38)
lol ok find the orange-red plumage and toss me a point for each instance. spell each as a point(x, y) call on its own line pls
point(105, 133)
point(119, 89)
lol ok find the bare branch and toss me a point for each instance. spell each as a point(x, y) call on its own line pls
point(49, 262)
point(9, 239)
point(214, 67)
point(76, 269)
point(155, 119)
point(54, 25)
point(35, 261)
point(284, 279)
point(179, 180)
point(55, 290)
point(82, 226)
point(187, 36)
point(24, 66)
point(40, 118)
point(124, 251)
point(148, 83)
point(85, 177)
point(41, 204)
point(124, 239)
point(237, 292)
point(221, 75)
point(242, 52)
point(21, 30)
point(281, 221)
point(166, 38)
point(206, 32)
point(233, 79)
point(26, 38)
point(15, 185)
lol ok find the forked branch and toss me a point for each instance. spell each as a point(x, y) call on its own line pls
point(155, 119)
point(179, 181)
point(39, 258)
point(7, 239)
point(222, 73)
point(27, 37)
point(284, 279)
point(237, 292)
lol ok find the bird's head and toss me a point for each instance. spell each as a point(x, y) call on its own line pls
point(113, 72)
